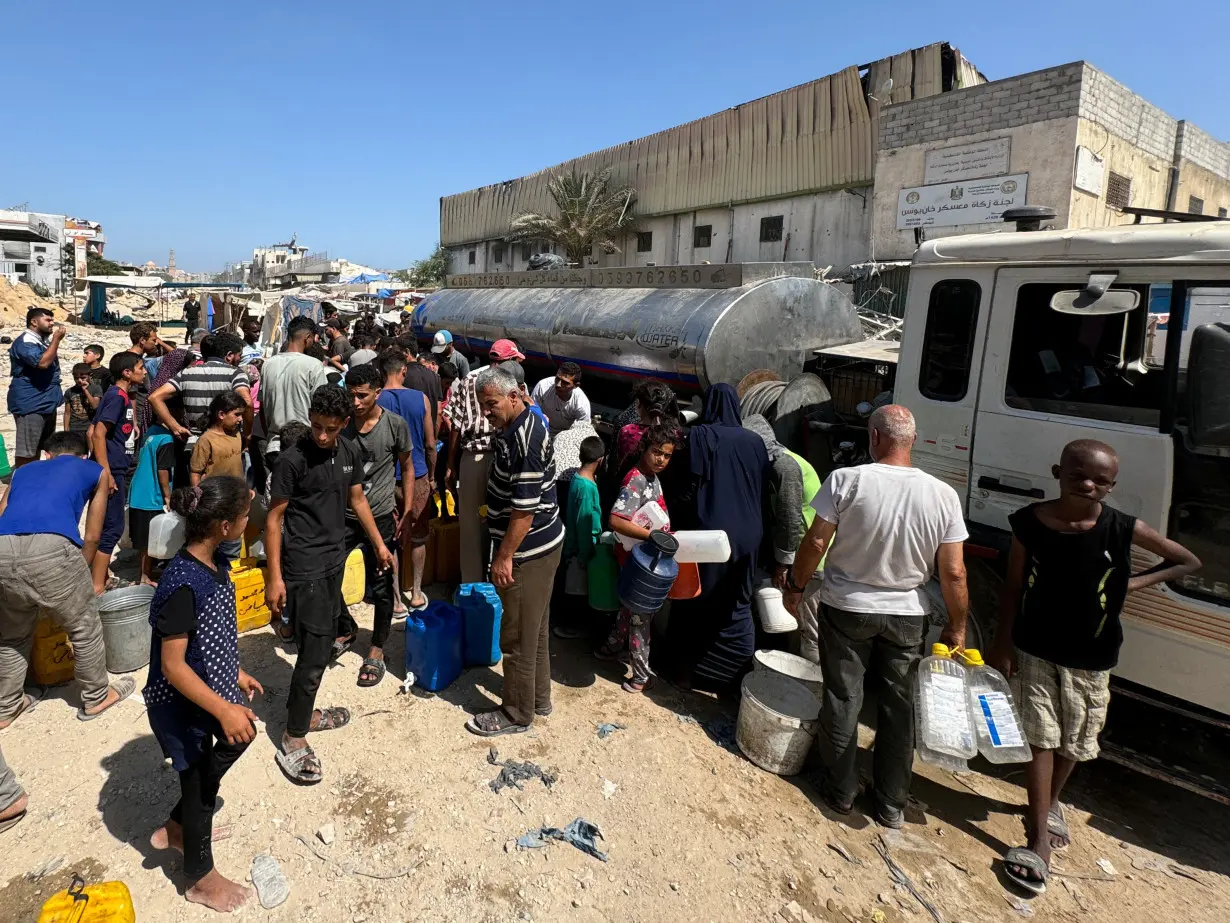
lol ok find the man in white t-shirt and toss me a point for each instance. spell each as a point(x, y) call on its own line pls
point(562, 399)
point(888, 524)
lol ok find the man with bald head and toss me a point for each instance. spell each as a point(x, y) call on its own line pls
point(887, 522)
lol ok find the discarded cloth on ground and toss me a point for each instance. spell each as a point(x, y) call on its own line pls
point(580, 833)
point(513, 773)
point(606, 730)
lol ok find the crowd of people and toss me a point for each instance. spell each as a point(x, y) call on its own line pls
point(351, 437)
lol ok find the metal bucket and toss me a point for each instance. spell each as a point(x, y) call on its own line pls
point(126, 630)
point(797, 668)
point(777, 722)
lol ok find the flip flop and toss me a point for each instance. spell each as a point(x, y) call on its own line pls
point(631, 685)
point(10, 822)
point(494, 724)
point(124, 687)
point(373, 668)
point(343, 647)
point(422, 607)
point(29, 702)
point(1057, 827)
point(1027, 859)
point(301, 766)
point(331, 719)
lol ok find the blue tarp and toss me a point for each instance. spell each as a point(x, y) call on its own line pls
point(364, 278)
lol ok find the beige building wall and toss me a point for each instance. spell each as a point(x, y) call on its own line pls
point(1195, 180)
point(1149, 173)
point(1044, 150)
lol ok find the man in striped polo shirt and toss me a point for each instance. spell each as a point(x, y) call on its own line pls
point(525, 527)
point(198, 385)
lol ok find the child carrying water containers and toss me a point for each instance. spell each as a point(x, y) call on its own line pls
point(196, 694)
point(639, 509)
point(1059, 635)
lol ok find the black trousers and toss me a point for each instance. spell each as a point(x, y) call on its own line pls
point(380, 586)
point(313, 608)
point(198, 800)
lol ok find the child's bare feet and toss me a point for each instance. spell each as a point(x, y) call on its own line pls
point(168, 836)
point(218, 893)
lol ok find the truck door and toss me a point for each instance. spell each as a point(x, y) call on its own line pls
point(1050, 377)
point(938, 369)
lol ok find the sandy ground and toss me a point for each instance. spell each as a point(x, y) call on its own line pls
point(694, 831)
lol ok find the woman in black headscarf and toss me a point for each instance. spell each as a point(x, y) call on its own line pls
point(712, 636)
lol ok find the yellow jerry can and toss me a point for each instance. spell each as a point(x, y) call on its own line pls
point(51, 656)
point(353, 582)
point(251, 610)
point(108, 902)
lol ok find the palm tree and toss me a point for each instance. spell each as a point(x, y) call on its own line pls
point(592, 212)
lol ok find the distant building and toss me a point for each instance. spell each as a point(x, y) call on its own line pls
point(864, 164)
point(31, 247)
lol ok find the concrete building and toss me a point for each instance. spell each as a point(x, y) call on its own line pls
point(1068, 137)
point(31, 247)
point(866, 163)
point(785, 177)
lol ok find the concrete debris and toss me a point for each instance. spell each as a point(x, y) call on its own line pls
point(795, 913)
point(326, 834)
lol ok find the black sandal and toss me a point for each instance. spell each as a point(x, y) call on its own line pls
point(344, 646)
point(494, 724)
point(373, 670)
point(331, 719)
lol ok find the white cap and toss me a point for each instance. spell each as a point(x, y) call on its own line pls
point(441, 341)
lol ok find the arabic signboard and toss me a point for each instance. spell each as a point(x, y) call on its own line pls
point(81, 233)
point(703, 276)
point(967, 161)
point(949, 204)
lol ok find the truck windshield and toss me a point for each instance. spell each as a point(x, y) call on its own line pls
point(1081, 366)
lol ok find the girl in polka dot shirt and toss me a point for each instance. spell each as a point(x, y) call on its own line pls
point(197, 696)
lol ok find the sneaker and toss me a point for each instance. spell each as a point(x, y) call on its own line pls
point(567, 633)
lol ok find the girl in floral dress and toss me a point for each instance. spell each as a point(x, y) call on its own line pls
point(639, 487)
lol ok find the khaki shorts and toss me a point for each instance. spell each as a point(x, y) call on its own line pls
point(1061, 708)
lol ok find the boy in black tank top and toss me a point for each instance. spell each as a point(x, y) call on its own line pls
point(1059, 632)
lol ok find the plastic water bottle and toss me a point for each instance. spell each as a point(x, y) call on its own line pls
point(944, 722)
point(996, 720)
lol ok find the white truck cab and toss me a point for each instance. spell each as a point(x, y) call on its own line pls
point(1015, 344)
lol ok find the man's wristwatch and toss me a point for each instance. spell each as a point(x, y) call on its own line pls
point(790, 584)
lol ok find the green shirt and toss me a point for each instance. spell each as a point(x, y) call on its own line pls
point(584, 519)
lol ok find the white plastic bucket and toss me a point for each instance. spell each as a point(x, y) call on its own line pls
point(792, 666)
point(777, 722)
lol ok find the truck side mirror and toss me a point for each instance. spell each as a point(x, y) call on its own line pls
point(1208, 386)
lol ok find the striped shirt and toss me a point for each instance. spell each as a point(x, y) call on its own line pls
point(523, 479)
point(200, 384)
point(466, 414)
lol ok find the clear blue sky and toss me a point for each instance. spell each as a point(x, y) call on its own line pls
point(216, 127)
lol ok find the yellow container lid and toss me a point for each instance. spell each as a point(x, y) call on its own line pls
point(940, 650)
point(973, 657)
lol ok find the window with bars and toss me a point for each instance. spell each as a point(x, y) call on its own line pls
point(1118, 190)
point(526, 252)
point(771, 229)
point(497, 253)
point(1195, 206)
point(644, 241)
point(702, 235)
point(1221, 213)
point(473, 257)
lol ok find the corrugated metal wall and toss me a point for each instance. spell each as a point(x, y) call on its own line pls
point(819, 135)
